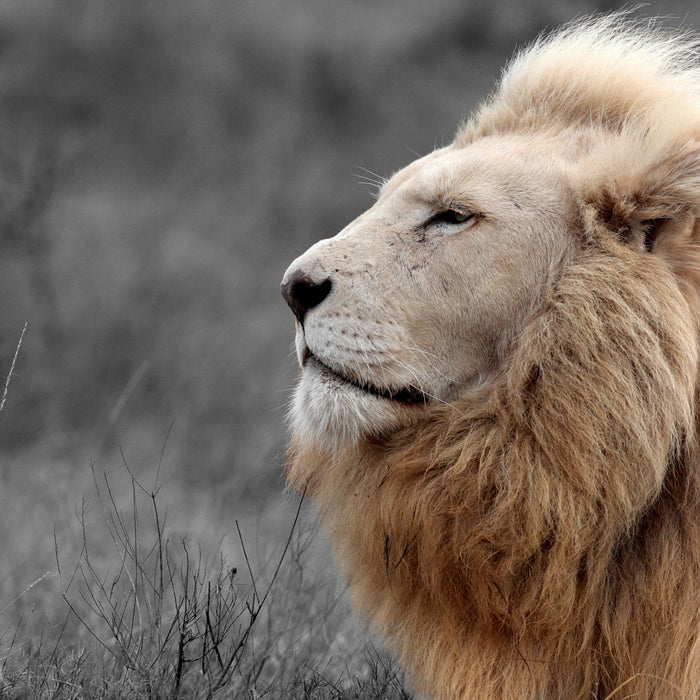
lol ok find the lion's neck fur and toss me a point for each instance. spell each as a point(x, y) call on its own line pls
point(511, 536)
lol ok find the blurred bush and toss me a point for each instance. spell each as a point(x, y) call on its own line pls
point(162, 161)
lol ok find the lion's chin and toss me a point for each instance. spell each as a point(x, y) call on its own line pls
point(335, 411)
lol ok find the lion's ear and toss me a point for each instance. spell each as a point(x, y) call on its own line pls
point(641, 192)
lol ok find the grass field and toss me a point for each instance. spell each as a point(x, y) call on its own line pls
point(161, 615)
point(161, 163)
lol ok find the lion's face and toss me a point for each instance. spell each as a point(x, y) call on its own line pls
point(419, 298)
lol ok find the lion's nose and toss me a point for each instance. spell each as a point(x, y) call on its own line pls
point(302, 292)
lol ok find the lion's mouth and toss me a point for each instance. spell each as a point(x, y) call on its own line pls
point(405, 395)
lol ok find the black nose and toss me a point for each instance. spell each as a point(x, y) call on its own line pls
point(302, 293)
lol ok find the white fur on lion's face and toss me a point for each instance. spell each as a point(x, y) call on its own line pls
point(422, 304)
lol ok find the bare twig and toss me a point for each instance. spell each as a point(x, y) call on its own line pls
point(26, 590)
point(128, 390)
point(12, 367)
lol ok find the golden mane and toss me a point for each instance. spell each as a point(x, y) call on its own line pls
point(611, 71)
point(540, 536)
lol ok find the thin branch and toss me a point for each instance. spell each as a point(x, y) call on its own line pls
point(12, 367)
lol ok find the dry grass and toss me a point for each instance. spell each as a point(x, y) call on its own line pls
point(163, 618)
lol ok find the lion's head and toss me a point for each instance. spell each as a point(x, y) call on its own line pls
point(496, 414)
point(423, 295)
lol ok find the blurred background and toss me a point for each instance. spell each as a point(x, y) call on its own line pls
point(161, 163)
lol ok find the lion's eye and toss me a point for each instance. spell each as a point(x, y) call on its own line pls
point(446, 222)
point(450, 216)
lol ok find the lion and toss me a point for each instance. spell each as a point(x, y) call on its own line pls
point(497, 409)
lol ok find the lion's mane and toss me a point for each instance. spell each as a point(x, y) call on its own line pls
point(540, 537)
